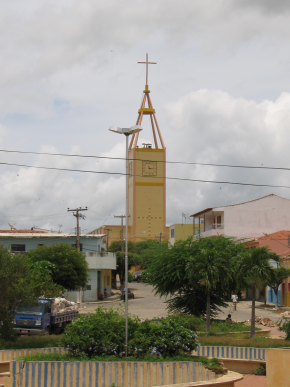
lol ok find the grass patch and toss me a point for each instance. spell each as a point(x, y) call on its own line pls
point(209, 363)
point(221, 326)
point(23, 342)
point(242, 341)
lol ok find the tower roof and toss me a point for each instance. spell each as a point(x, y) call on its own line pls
point(149, 110)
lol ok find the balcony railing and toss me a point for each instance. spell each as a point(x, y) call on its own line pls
point(215, 226)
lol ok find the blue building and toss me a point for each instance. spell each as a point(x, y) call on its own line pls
point(100, 263)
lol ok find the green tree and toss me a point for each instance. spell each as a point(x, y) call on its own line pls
point(117, 246)
point(133, 260)
point(279, 274)
point(21, 283)
point(255, 271)
point(211, 266)
point(172, 274)
point(70, 266)
point(148, 248)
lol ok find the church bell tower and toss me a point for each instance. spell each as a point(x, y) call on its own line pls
point(147, 172)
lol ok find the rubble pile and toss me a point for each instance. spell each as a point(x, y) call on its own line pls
point(61, 305)
point(285, 314)
point(266, 322)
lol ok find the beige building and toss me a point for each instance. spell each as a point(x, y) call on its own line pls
point(180, 232)
point(147, 181)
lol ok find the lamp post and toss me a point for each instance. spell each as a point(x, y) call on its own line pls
point(127, 132)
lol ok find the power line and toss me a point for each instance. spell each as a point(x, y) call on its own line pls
point(160, 161)
point(157, 177)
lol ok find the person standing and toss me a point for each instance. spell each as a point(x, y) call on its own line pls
point(235, 300)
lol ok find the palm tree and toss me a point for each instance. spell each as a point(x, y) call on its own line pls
point(278, 276)
point(255, 271)
point(210, 268)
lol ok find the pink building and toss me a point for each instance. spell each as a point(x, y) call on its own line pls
point(247, 220)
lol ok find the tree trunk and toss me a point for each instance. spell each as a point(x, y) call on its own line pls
point(208, 311)
point(265, 296)
point(276, 298)
point(253, 313)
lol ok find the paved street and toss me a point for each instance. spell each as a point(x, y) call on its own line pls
point(252, 381)
point(146, 305)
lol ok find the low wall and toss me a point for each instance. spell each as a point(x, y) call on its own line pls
point(242, 366)
point(220, 352)
point(11, 354)
point(97, 374)
point(277, 361)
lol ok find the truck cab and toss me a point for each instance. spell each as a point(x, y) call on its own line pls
point(33, 320)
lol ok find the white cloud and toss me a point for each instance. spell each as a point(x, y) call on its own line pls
point(207, 126)
point(213, 127)
point(68, 71)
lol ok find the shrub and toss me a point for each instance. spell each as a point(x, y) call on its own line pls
point(284, 326)
point(130, 277)
point(101, 333)
point(165, 338)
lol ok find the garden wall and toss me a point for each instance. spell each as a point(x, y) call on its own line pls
point(278, 361)
point(105, 374)
point(11, 354)
point(246, 353)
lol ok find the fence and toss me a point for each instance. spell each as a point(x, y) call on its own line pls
point(106, 374)
point(245, 353)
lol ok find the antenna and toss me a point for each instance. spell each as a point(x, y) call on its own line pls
point(185, 216)
point(12, 227)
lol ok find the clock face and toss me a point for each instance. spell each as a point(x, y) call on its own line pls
point(149, 168)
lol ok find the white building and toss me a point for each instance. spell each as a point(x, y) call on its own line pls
point(251, 219)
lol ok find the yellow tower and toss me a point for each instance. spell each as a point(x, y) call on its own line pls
point(147, 172)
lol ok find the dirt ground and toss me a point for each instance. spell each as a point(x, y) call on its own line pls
point(147, 305)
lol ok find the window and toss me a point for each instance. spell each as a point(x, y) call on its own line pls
point(15, 247)
point(89, 287)
point(172, 233)
point(219, 220)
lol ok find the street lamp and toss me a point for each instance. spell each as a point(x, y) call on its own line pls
point(127, 132)
point(143, 232)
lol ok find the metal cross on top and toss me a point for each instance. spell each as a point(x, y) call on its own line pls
point(147, 63)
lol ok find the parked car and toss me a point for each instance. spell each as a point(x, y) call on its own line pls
point(138, 275)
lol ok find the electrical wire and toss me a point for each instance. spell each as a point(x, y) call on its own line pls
point(160, 161)
point(157, 177)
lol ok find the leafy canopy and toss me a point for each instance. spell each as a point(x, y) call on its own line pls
point(22, 282)
point(70, 268)
point(172, 273)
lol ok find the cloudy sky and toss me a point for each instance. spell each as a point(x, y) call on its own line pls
point(68, 71)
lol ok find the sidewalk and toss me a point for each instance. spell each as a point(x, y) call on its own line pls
point(252, 381)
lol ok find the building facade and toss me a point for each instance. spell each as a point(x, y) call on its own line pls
point(100, 263)
point(180, 232)
point(247, 220)
point(279, 243)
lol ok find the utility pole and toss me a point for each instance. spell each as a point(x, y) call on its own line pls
point(122, 231)
point(78, 215)
point(159, 237)
point(108, 232)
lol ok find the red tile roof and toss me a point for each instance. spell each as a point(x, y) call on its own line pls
point(279, 235)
